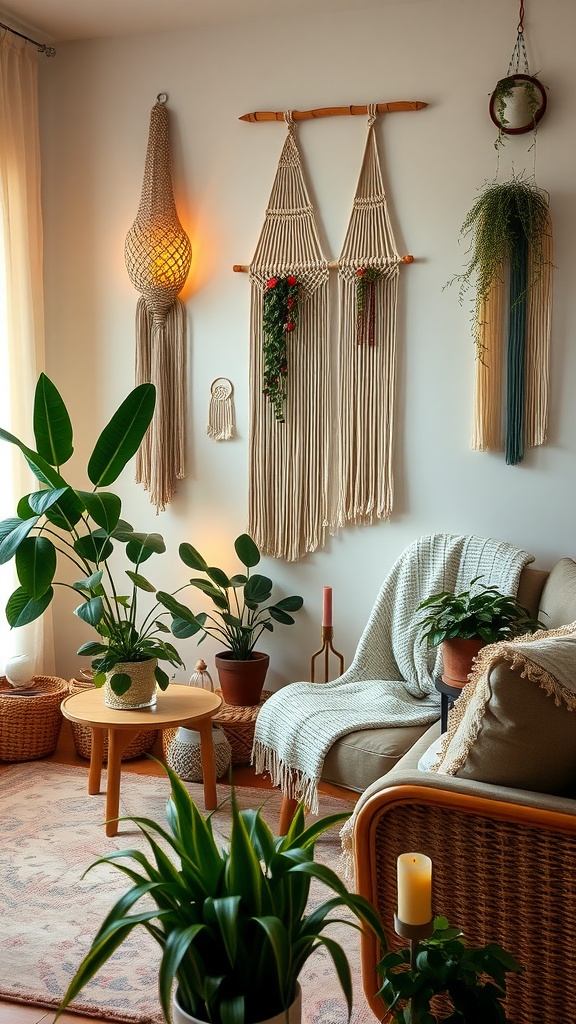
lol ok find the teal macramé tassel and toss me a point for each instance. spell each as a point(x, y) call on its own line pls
point(516, 355)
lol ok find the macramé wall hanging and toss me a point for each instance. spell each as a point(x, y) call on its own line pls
point(221, 425)
point(368, 288)
point(510, 266)
point(290, 410)
point(158, 256)
point(292, 448)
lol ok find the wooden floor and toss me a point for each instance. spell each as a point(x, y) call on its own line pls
point(16, 1013)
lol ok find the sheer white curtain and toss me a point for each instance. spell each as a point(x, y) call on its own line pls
point(21, 306)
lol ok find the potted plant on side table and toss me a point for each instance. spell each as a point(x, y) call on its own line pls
point(465, 622)
point(242, 618)
point(83, 527)
point(232, 923)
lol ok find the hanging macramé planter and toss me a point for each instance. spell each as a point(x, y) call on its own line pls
point(158, 256)
point(519, 100)
point(510, 267)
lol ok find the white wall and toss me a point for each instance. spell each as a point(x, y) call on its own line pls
point(96, 99)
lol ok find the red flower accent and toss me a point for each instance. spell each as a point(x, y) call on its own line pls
point(291, 281)
point(290, 326)
point(290, 302)
point(361, 272)
point(272, 282)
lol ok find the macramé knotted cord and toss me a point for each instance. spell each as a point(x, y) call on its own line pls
point(367, 370)
point(288, 499)
point(521, 420)
point(158, 255)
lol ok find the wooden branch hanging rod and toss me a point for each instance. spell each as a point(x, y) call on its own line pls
point(309, 115)
point(242, 268)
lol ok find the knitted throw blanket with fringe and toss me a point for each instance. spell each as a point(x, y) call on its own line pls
point(391, 679)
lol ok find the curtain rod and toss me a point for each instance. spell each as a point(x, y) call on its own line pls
point(48, 51)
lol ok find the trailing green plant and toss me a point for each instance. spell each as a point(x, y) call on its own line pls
point(232, 923)
point(83, 527)
point(472, 979)
point(502, 214)
point(487, 614)
point(237, 599)
point(504, 92)
point(279, 320)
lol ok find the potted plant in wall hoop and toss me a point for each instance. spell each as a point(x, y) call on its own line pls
point(232, 923)
point(464, 623)
point(83, 527)
point(242, 618)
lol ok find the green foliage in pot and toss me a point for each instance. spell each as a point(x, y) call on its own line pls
point(504, 92)
point(473, 979)
point(502, 213)
point(238, 601)
point(487, 614)
point(83, 527)
point(232, 923)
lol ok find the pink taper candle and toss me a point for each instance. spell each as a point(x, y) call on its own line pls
point(327, 607)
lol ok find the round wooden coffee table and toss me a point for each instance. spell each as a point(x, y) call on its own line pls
point(178, 705)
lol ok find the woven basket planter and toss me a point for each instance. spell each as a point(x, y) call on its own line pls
point(182, 753)
point(30, 726)
point(82, 734)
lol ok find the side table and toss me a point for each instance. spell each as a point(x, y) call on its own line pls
point(238, 723)
point(177, 705)
point(448, 694)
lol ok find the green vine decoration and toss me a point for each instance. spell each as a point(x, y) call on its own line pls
point(279, 320)
point(366, 278)
point(503, 214)
point(503, 92)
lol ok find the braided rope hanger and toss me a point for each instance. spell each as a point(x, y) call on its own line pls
point(368, 294)
point(158, 256)
point(288, 475)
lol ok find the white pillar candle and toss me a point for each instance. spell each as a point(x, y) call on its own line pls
point(414, 888)
point(19, 671)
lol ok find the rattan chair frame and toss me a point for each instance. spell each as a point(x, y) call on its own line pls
point(503, 872)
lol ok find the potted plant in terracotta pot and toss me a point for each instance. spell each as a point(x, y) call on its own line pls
point(232, 923)
point(241, 618)
point(465, 622)
point(84, 527)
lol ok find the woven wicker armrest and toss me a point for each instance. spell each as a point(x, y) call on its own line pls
point(503, 870)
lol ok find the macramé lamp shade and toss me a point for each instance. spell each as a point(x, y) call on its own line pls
point(158, 256)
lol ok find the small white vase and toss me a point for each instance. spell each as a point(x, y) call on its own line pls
point(292, 1016)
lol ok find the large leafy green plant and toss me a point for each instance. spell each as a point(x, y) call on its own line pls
point(238, 601)
point(472, 979)
point(232, 923)
point(83, 527)
point(486, 614)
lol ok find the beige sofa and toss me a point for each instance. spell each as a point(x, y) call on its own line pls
point(358, 759)
point(501, 832)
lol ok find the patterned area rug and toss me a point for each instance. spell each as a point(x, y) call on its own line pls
point(51, 832)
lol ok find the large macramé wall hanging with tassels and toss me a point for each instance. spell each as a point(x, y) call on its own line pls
point(368, 288)
point(158, 256)
point(290, 415)
point(293, 444)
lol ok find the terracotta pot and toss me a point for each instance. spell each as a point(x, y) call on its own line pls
point(142, 692)
point(241, 682)
point(294, 1015)
point(458, 655)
